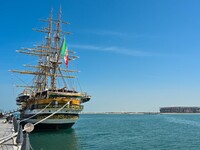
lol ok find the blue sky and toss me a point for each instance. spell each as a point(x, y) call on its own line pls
point(135, 55)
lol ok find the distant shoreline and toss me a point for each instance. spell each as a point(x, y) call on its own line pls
point(136, 113)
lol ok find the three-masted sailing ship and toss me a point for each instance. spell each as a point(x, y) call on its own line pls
point(52, 92)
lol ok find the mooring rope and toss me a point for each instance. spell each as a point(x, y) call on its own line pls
point(28, 119)
point(52, 113)
point(15, 134)
point(36, 113)
point(8, 138)
point(5, 136)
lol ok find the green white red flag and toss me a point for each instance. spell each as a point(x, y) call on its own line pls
point(64, 52)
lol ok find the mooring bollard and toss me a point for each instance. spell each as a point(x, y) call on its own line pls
point(26, 143)
point(15, 124)
point(19, 138)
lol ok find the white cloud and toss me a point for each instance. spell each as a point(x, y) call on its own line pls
point(117, 50)
point(117, 34)
point(108, 33)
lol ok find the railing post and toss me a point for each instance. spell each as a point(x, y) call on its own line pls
point(26, 143)
point(19, 138)
point(15, 124)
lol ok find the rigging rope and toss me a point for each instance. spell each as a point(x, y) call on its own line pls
point(13, 85)
point(79, 83)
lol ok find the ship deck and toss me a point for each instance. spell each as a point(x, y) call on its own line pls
point(5, 130)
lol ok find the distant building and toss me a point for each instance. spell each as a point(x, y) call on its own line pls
point(180, 110)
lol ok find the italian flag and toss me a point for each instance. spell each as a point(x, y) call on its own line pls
point(65, 52)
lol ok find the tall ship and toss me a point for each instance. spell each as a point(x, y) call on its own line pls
point(52, 100)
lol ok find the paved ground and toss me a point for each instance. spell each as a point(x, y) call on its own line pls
point(5, 130)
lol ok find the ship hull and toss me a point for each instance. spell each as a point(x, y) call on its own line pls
point(56, 122)
point(49, 126)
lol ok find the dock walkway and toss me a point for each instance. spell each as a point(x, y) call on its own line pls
point(5, 130)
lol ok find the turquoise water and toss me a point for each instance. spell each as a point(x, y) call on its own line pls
point(124, 132)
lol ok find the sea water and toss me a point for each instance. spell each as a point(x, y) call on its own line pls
point(124, 132)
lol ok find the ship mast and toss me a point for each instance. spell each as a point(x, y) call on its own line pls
point(49, 64)
point(56, 52)
point(44, 69)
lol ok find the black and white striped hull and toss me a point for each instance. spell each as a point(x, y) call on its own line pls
point(61, 120)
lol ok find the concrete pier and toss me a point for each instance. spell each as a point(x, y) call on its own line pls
point(5, 130)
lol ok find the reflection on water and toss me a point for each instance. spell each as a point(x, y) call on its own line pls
point(54, 140)
point(183, 121)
